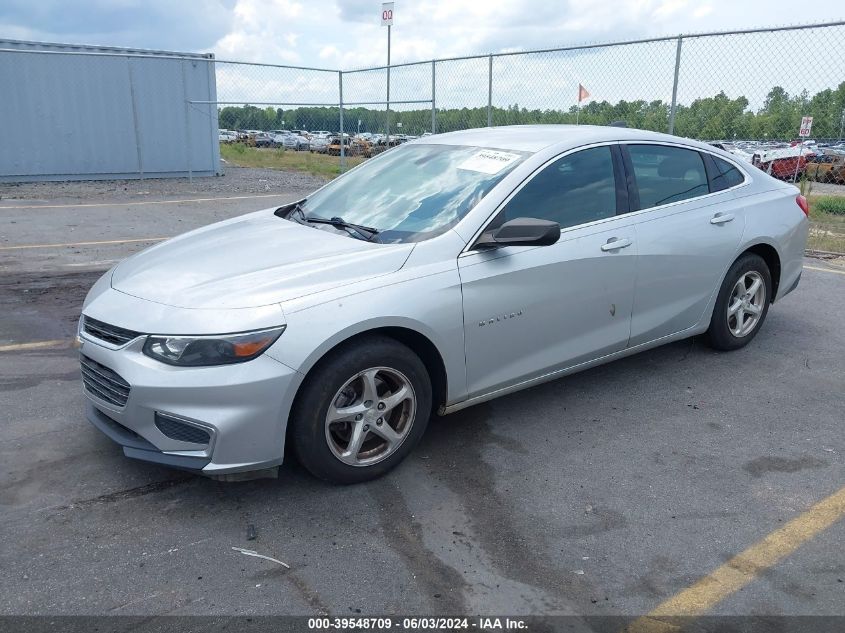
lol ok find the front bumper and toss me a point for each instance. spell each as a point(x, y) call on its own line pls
point(241, 410)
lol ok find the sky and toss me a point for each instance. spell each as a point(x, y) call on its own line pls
point(347, 33)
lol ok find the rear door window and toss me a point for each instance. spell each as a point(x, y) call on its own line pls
point(667, 174)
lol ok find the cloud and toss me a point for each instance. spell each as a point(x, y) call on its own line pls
point(329, 52)
point(296, 31)
point(347, 34)
point(260, 31)
point(154, 24)
point(702, 10)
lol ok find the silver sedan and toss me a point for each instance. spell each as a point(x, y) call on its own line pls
point(443, 273)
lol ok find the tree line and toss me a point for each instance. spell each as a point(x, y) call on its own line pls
point(710, 118)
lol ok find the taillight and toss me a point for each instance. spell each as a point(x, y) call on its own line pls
point(802, 202)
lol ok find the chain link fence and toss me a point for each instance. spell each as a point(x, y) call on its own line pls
point(746, 90)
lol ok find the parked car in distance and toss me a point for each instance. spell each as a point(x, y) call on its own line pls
point(302, 142)
point(290, 140)
point(263, 139)
point(787, 163)
point(441, 274)
point(285, 140)
point(334, 144)
point(358, 146)
point(319, 143)
point(227, 136)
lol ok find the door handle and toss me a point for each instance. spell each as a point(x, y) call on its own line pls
point(721, 218)
point(615, 243)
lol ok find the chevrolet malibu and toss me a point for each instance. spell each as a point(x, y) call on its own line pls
point(449, 271)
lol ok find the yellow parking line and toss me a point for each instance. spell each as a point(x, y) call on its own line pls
point(130, 204)
point(24, 246)
point(20, 347)
point(702, 596)
point(826, 270)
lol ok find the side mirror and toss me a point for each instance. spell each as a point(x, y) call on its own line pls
point(522, 232)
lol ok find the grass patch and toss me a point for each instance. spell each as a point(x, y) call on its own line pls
point(827, 228)
point(830, 205)
point(323, 165)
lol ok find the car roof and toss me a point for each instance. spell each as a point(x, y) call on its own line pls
point(534, 138)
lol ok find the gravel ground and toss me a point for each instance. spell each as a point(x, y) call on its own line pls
point(237, 180)
point(827, 189)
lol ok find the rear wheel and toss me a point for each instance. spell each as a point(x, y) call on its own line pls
point(362, 411)
point(742, 304)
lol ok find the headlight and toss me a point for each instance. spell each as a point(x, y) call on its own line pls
point(202, 351)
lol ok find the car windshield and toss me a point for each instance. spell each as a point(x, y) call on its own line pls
point(414, 192)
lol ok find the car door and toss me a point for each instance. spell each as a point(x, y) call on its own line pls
point(687, 235)
point(533, 310)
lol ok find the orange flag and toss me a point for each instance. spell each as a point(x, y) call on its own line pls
point(582, 93)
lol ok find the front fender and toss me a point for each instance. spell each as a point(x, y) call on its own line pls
point(429, 305)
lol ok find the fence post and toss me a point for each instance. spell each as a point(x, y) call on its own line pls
point(138, 151)
point(187, 123)
point(433, 92)
point(674, 106)
point(342, 141)
point(490, 92)
point(387, 111)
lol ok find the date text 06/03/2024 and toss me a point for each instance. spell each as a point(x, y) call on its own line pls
point(418, 623)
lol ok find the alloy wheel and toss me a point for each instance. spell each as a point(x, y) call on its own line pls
point(370, 416)
point(745, 306)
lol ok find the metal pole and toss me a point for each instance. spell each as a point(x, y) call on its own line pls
point(800, 148)
point(675, 86)
point(798, 159)
point(387, 113)
point(342, 140)
point(434, 108)
point(187, 123)
point(490, 92)
point(138, 151)
point(841, 124)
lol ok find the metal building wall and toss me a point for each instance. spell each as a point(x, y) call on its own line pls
point(84, 112)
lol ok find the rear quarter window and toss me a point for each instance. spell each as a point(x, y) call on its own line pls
point(727, 175)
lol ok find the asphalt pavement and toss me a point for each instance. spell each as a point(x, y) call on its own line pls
point(603, 493)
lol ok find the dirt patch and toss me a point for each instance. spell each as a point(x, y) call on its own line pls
point(43, 306)
point(237, 180)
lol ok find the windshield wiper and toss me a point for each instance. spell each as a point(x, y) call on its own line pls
point(367, 232)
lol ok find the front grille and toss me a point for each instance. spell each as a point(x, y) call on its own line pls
point(178, 430)
point(103, 383)
point(108, 333)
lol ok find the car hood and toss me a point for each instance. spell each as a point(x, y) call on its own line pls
point(253, 260)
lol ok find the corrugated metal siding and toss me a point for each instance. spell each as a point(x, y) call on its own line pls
point(90, 112)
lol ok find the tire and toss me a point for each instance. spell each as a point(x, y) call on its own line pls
point(728, 332)
point(341, 382)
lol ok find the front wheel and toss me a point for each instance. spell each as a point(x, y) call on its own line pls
point(742, 304)
point(361, 411)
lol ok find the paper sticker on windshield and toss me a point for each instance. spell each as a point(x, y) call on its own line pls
point(488, 161)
